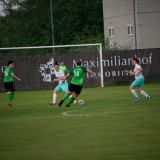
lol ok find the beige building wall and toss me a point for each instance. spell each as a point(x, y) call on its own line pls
point(120, 13)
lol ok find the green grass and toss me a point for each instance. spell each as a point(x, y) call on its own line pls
point(108, 127)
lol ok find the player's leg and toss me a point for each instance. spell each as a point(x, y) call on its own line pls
point(12, 90)
point(71, 100)
point(139, 88)
point(65, 89)
point(132, 89)
point(77, 90)
point(9, 88)
point(55, 91)
point(65, 97)
point(9, 98)
point(70, 91)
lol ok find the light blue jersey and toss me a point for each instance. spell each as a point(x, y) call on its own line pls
point(139, 79)
point(61, 86)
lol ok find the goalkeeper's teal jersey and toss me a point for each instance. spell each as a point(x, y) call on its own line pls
point(78, 74)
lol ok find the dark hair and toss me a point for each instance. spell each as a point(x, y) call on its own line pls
point(56, 63)
point(136, 59)
point(10, 62)
point(78, 63)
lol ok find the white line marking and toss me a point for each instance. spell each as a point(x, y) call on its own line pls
point(67, 113)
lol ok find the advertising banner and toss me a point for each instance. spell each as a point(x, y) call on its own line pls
point(38, 71)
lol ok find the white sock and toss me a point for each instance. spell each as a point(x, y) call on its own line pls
point(144, 93)
point(134, 93)
point(54, 98)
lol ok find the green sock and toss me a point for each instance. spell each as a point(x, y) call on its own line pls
point(12, 96)
point(9, 98)
point(70, 100)
point(66, 96)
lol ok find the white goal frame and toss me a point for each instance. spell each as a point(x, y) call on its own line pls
point(99, 45)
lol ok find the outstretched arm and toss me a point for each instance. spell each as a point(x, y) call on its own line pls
point(58, 79)
point(130, 72)
point(65, 77)
point(15, 77)
point(92, 73)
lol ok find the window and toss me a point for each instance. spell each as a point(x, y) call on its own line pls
point(111, 32)
point(130, 30)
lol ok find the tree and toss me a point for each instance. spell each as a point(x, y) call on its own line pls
point(27, 22)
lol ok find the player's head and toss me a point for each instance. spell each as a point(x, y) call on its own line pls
point(56, 67)
point(62, 63)
point(135, 61)
point(11, 64)
point(78, 63)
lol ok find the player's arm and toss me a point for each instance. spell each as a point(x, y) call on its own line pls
point(92, 73)
point(130, 72)
point(15, 77)
point(65, 77)
point(70, 73)
point(58, 79)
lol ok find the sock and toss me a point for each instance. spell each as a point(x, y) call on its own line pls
point(54, 98)
point(9, 98)
point(134, 93)
point(12, 96)
point(66, 96)
point(70, 100)
point(144, 93)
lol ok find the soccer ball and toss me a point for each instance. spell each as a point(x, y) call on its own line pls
point(81, 102)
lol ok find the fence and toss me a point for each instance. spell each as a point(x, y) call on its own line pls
point(35, 71)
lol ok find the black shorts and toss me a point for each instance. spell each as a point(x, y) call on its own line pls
point(9, 86)
point(75, 88)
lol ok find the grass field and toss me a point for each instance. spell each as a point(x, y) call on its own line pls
point(108, 127)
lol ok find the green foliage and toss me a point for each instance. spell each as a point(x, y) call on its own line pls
point(27, 22)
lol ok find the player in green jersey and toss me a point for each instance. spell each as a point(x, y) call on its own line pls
point(63, 68)
point(9, 84)
point(75, 86)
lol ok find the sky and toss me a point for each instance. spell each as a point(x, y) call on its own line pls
point(1, 8)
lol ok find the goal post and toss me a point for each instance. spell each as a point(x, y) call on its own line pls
point(36, 64)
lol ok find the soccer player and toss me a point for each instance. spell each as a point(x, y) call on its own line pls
point(9, 84)
point(138, 82)
point(63, 85)
point(75, 86)
point(63, 68)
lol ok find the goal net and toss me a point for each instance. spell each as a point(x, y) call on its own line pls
point(35, 65)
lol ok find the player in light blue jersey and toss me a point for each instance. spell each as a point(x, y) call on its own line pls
point(62, 85)
point(138, 82)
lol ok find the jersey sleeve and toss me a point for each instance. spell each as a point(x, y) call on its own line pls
point(138, 67)
point(11, 70)
point(71, 72)
point(84, 69)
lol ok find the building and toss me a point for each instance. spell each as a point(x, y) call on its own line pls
point(133, 24)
